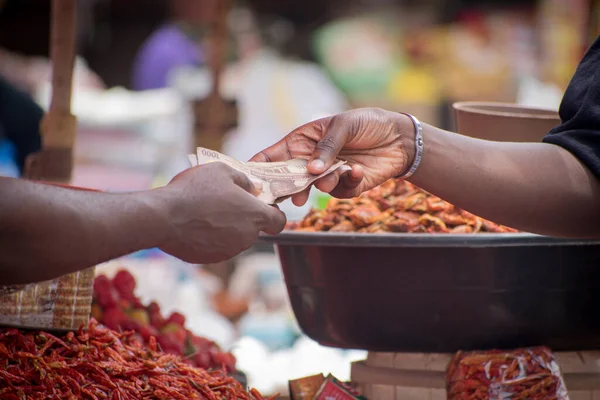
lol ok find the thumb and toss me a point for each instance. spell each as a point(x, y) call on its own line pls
point(275, 220)
point(250, 184)
point(327, 149)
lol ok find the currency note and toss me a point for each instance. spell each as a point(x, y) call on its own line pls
point(277, 180)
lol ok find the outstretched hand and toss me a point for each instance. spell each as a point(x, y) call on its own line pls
point(377, 144)
point(213, 214)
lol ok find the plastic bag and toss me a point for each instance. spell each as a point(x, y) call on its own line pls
point(531, 374)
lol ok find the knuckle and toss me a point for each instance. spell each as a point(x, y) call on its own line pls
point(371, 110)
point(326, 144)
point(340, 119)
point(377, 114)
point(245, 182)
point(238, 175)
point(261, 157)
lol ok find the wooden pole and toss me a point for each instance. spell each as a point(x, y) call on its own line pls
point(218, 43)
point(63, 53)
point(217, 112)
point(58, 128)
point(214, 112)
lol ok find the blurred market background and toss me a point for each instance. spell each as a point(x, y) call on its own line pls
point(143, 85)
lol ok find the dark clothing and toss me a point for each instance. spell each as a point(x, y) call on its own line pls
point(579, 132)
point(20, 119)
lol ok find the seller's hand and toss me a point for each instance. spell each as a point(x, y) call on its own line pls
point(213, 214)
point(378, 144)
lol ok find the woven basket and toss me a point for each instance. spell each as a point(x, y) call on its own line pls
point(63, 303)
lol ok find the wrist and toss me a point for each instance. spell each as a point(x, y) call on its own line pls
point(155, 209)
point(405, 132)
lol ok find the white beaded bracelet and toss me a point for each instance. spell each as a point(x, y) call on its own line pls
point(418, 147)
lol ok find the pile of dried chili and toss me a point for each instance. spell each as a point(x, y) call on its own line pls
point(116, 306)
point(97, 363)
point(395, 206)
point(524, 374)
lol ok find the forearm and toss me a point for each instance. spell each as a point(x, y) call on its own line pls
point(48, 231)
point(534, 187)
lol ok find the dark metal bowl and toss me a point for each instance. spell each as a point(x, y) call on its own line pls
point(443, 292)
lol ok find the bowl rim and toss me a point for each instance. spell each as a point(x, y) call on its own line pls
point(471, 107)
point(350, 239)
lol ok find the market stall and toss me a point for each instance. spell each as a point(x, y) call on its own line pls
point(397, 294)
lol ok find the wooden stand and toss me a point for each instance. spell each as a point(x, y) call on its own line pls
point(59, 127)
point(398, 376)
point(214, 116)
point(418, 376)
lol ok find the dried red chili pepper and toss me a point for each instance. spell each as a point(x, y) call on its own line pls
point(394, 206)
point(530, 374)
point(97, 363)
point(116, 306)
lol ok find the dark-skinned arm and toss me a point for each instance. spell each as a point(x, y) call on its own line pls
point(206, 214)
point(550, 188)
point(48, 231)
point(534, 187)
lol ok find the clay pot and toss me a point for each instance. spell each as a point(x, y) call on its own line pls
point(504, 122)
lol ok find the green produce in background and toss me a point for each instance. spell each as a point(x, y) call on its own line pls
point(361, 54)
point(321, 200)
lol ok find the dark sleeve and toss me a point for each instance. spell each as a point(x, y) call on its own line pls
point(579, 132)
point(20, 118)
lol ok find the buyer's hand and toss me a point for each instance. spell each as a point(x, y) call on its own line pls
point(213, 214)
point(378, 144)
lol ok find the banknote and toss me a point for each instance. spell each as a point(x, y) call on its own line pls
point(277, 180)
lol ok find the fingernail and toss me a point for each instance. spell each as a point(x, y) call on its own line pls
point(317, 164)
point(258, 186)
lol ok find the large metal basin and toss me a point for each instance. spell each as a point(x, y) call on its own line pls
point(441, 292)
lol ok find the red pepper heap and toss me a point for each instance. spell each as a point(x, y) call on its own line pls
point(395, 206)
point(523, 374)
point(116, 306)
point(98, 363)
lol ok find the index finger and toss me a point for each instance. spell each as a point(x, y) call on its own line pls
point(277, 152)
point(303, 138)
point(329, 146)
